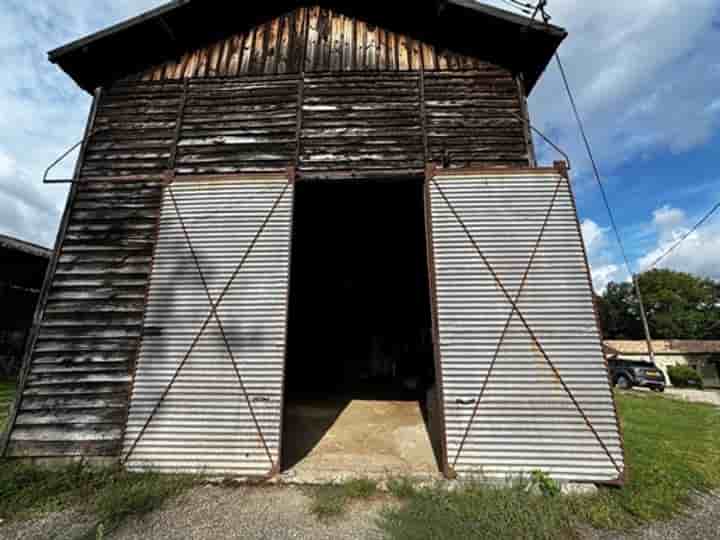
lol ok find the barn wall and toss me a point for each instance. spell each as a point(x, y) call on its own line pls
point(77, 383)
point(310, 39)
point(75, 388)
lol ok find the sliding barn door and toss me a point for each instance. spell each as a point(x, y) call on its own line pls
point(207, 392)
point(522, 390)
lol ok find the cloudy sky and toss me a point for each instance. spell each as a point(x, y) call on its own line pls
point(646, 77)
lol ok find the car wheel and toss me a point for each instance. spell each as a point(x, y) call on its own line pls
point(624, 383)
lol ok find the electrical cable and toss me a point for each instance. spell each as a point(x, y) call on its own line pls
point(606, 201)
point(686, 236)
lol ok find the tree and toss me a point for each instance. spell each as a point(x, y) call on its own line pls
point(678, 306)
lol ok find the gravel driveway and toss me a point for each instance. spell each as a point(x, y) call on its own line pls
point(701, 522)
point(282, 513)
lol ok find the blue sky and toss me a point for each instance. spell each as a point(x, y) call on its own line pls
point(646, 77)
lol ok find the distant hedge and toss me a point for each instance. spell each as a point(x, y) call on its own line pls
point(685, 377)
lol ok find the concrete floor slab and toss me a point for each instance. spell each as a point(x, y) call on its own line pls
point(336, 440)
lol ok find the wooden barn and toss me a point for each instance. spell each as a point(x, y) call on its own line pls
point(310, 238)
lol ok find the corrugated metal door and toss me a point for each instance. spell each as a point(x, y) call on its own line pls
point(207, 392)
point(518, 400)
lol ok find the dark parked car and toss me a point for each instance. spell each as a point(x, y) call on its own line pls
point(628, 373)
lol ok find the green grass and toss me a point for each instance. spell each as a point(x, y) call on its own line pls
point(7, 395)
point(111, 495)
point(672, 449)
point(332, 500)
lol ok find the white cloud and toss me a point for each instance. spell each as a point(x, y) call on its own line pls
point(642, 74)
point(42, 112)
point(698, 254)
point(600, 256)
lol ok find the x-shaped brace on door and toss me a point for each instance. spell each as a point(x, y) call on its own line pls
point(213, 314)
point(523, 320)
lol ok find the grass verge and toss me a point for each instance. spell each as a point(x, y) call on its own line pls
point(332, 500)
point(7, 395)
point(111, 495)
point(671, 451)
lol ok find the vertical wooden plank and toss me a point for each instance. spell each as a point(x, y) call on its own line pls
point(259, 49)
point(347, 44)
point(428, 57)
point(392, 51)
point(354, 46)
point(236, 44)
point(336, 48)
point(203, 59)
point(404, 61)
point(312, 39)
point(273, 44)
point(371, 62)
point(442, 62)
point(296, 40)
point(192, 64)
point(224, 62)
point(214, 59)
point(247, 52)
point(382, 49)
point(325, 39)
point(415, 56)
point(182, 66)
point(282, 52)
point(362, 39)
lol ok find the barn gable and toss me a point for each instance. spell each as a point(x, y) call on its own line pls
point(186, 38)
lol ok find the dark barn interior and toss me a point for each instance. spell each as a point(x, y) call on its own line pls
point(359, 313)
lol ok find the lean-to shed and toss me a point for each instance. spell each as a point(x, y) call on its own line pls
point(296, 219)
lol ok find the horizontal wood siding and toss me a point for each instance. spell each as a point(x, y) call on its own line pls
point(349, 124)
point(470, 119)
point(310, 39)
point(239, 126)
point(76, 392)
point(361, 123)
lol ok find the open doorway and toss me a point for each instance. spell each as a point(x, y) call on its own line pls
point(360, 373)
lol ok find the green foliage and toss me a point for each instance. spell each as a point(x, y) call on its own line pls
point(332, 500)
point(401, 487)
point(7, 395)
point(678, 306)
point(547, 486)
point(478, 511)
point(685, 377)
point(671, 452)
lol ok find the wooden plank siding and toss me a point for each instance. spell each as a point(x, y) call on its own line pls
point(311, 39)
point(356, 123)
point(75, 397)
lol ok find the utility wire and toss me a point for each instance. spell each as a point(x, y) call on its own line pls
point(686, 235)
point(596, 171)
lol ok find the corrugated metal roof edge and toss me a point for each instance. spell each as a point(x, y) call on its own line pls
point(25, 247)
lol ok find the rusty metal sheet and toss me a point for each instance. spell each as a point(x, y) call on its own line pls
point(507, 411)
point(220, 411)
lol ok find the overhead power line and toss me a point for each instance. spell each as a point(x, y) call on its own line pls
point(596, 171)
point(686, 235)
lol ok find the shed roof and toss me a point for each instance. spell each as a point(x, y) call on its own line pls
point(665, 346)
point(16, 244)
point(513, 41)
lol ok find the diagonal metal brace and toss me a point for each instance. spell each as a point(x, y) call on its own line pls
point(196, 260)
point(213, 311)
point(521, 289)
point(523, 320)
